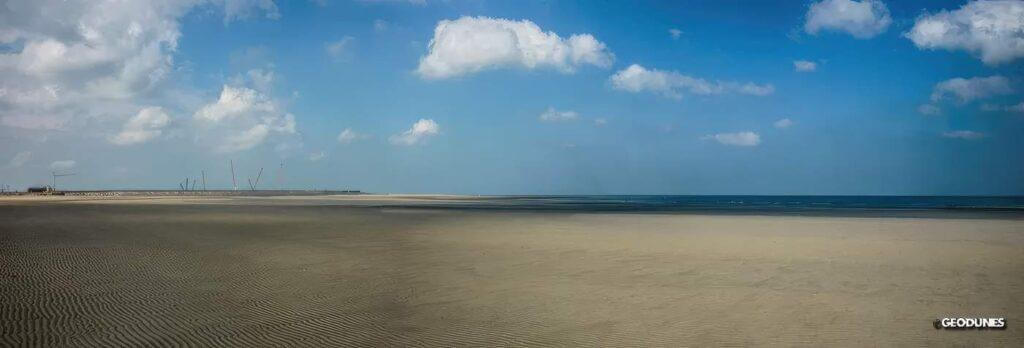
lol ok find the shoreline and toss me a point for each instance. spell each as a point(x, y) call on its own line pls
point(514, 204)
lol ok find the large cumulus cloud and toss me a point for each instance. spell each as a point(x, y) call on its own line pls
point(471, 44)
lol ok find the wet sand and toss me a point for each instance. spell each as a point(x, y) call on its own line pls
point(282, 272)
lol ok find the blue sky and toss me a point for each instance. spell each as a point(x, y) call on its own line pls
point(707, 97)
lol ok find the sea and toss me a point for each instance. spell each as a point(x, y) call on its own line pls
point(825, 205)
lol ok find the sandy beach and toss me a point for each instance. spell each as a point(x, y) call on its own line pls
point(358, 272)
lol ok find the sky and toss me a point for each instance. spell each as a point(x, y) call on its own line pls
point(516, 97)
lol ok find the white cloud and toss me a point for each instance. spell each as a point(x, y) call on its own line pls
point(636, 78)
point(993, 30)
point(783, 123)
point(552, 115)
point(144, 126)
point(262, 80)
point(929, 109)
point(20, 159)
point(420, 131)
point(242, 118)
point(675, 33)
point(967, 90)
point(380, 25)
point(414, 2)
point(339, 50)
point(862, 19)
point(600, 122)
point(316, 156)
point(242, 9)
point(963, 134)
point(348, 136)
point(235, 102)
point(755, 89)
point(62, 165)
point(735, 139)
point(244, 140)
point(77, 62)
point(804, 66)
point(472, 44)
point(1019, 107)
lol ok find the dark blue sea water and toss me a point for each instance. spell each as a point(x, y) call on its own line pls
point(824, 204)
point(813, 202)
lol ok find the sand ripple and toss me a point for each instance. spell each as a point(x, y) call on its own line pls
point(83, 275)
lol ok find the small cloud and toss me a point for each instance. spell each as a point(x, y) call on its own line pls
point(143, 127)
point(339, 50)
point(783, 123)
point(413, 2)
point(62, 165)
point(20, 159)
point(568, 145)
point(1018, 108)
point(349, 136)
point(420, 131)
point(552, 115)
point(963, 134)
point(861, 19)
point(735, 139)
point(804, 66)
point(929, 109)
point(380, 25)
point(316, 156)
point(968, 90)
point(600, 122)
point(675, 33)
point(755, 89)
point(243, 9)
point(671, 84)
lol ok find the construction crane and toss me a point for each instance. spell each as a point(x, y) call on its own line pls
point(53, 181)
point(234, 186)
point(280, 177)
point(252, 186)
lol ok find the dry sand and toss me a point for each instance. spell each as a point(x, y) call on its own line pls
point(278, 272)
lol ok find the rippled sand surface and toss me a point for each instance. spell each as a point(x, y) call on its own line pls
point(174, 274)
